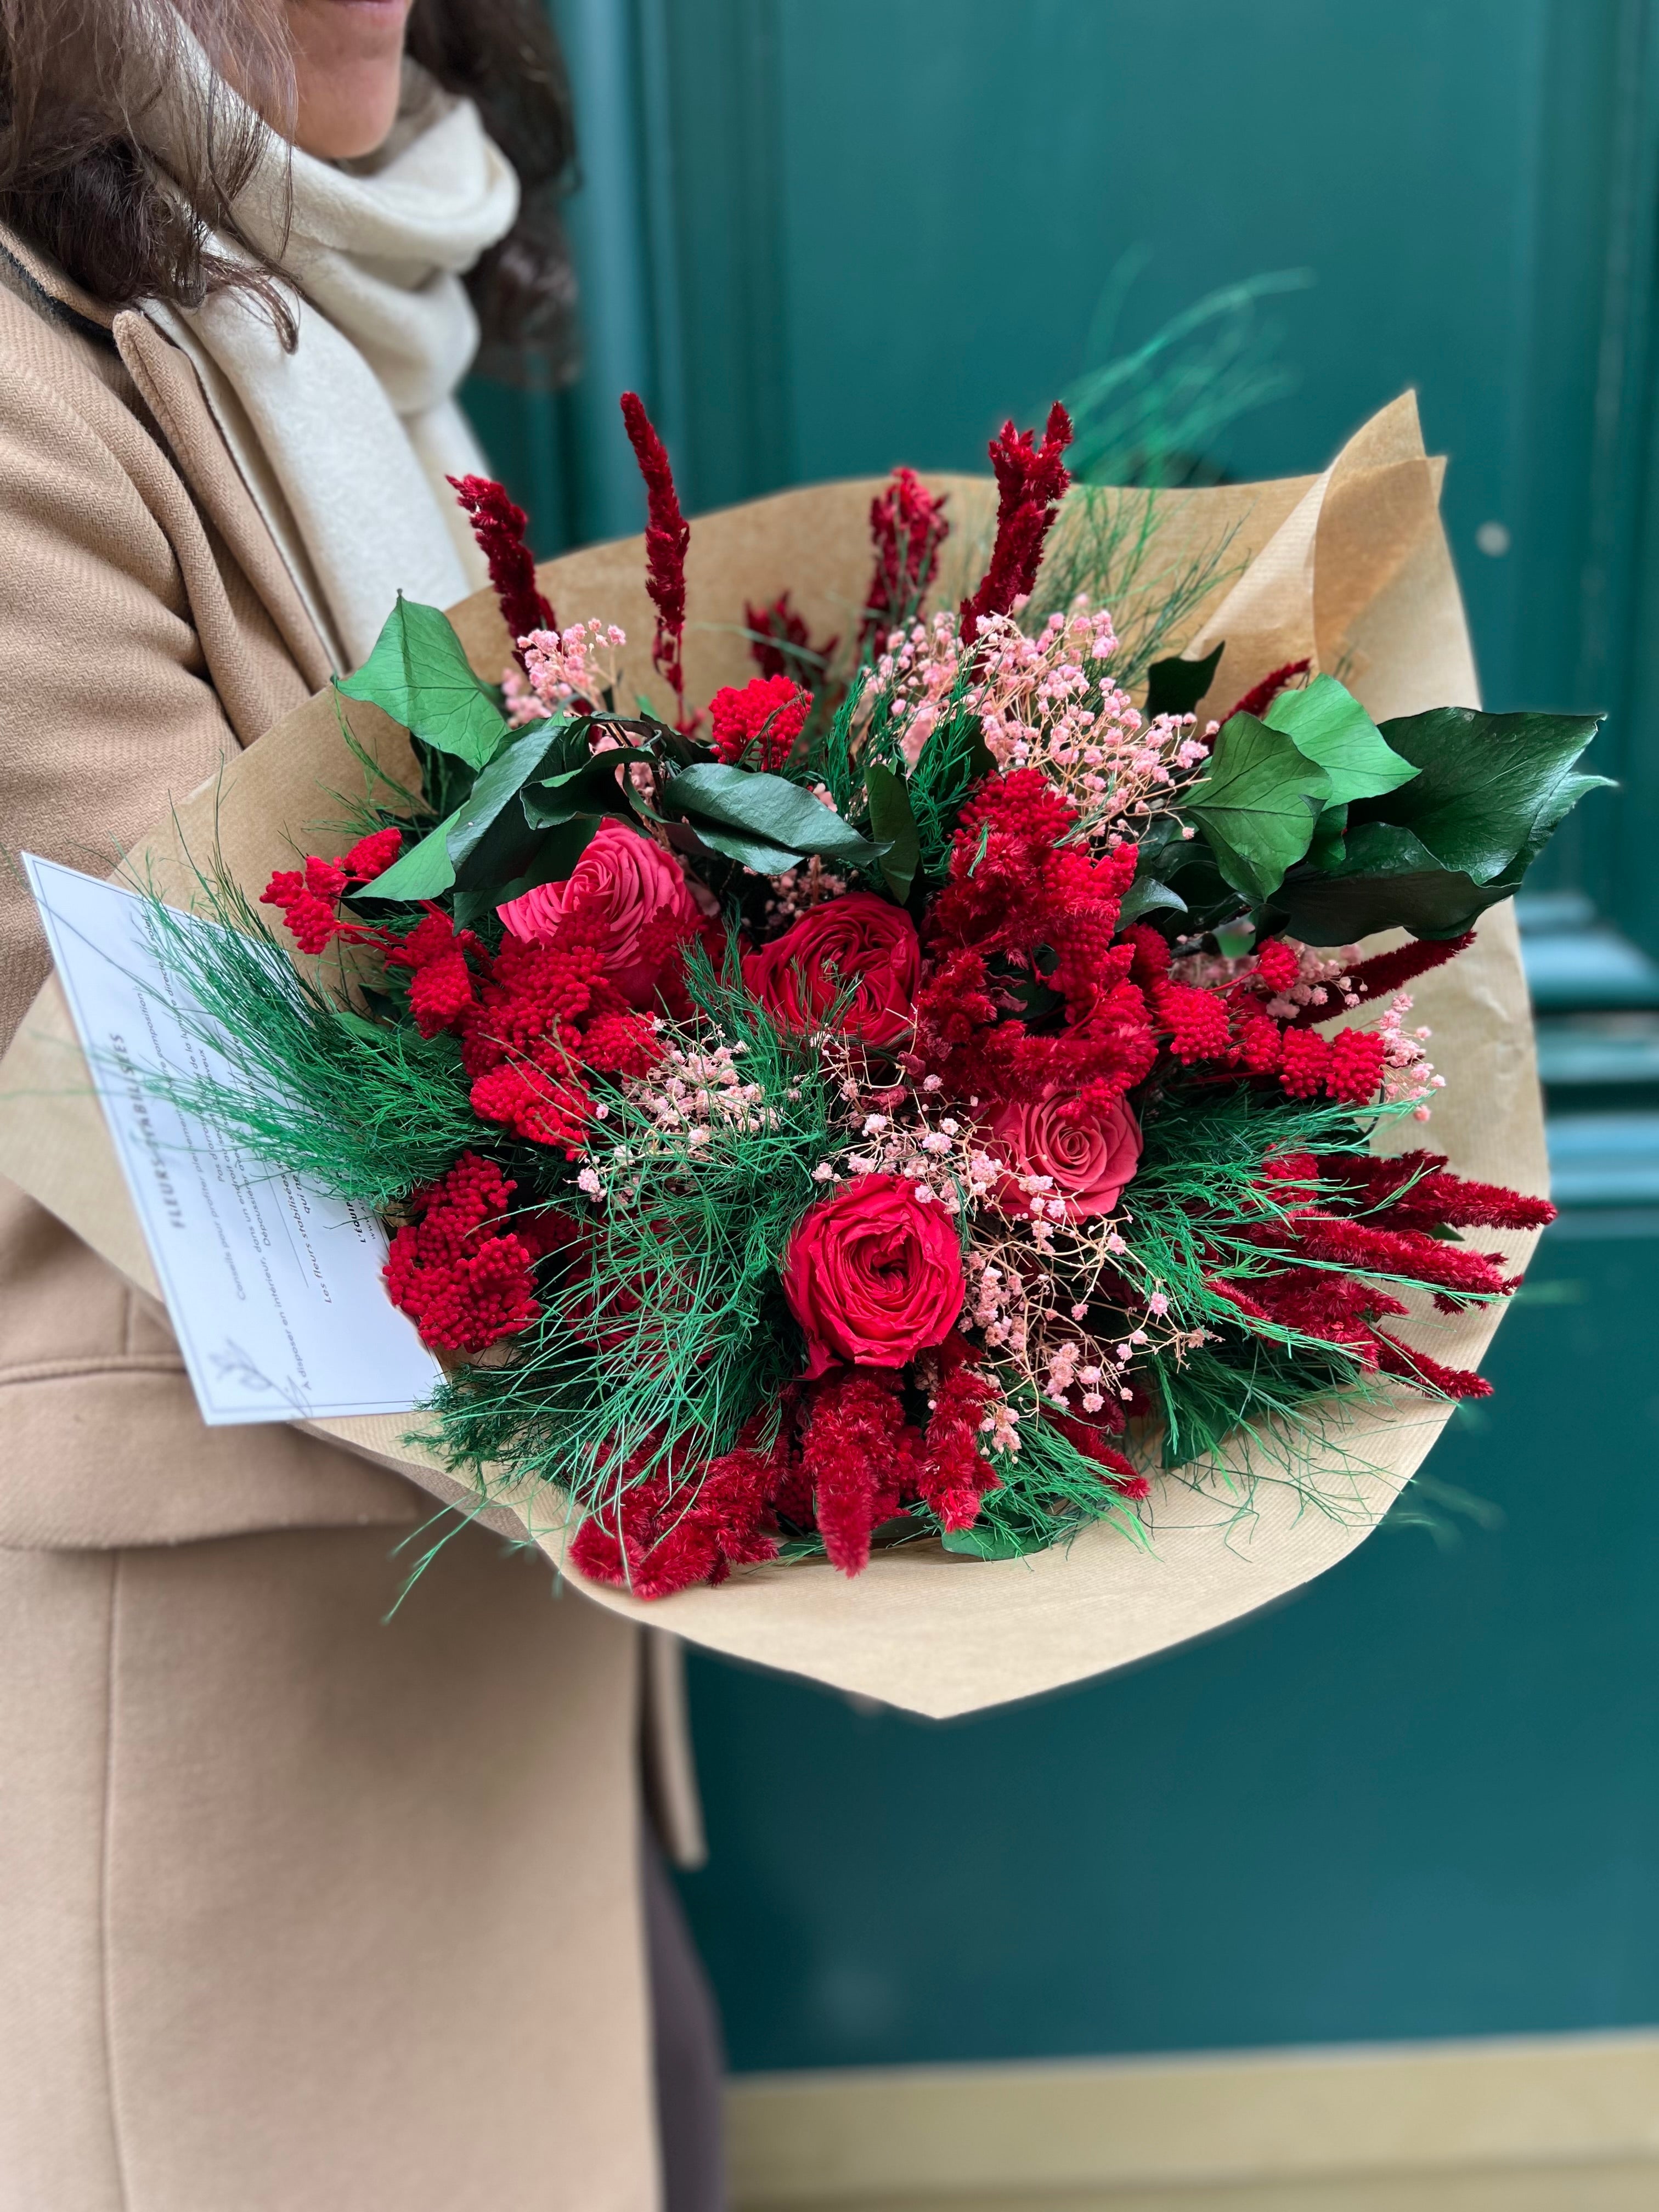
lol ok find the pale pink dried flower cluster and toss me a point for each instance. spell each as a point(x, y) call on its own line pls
point(1048, 702)
point(798, 891)
point(560, 665)
point(1408, 1074)
point(693, 1098)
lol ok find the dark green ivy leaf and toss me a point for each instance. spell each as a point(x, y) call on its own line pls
point(1432, 856)
point(1257, 805)
point(765, 821)
point(455, 852)
point(589, 788)
point(1174, 686)
point(1333, 730)
point(419, 675)
point(893, 827)
point(1492, 787)
point(1146, 895)
point(1388, 880)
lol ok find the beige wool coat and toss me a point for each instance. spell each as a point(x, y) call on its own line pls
point(300, 1911)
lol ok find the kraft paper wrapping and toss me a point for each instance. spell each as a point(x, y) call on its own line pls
point(1350, 568)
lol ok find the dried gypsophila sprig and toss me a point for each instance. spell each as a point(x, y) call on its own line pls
point(561, 666)
point(1048, 701)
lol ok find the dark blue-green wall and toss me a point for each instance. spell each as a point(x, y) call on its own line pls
point(1422, 1799)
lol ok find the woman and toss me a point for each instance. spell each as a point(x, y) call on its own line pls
point(298, 1910)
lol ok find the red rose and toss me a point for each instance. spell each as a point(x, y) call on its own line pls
point(1090, 1162)
point(859, 939)
point(873, 1274)
point(634, 884)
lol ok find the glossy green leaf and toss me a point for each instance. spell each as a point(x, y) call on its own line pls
point(419, 675)
point(496, 790)
point(738, 813)
point(1388, 881)
point(590, 787)
point(1493, 786)
point(893, 827)
point(1147, 896)
point(425, 872)
point(1174, 686)
point(1257, 805)
point(1333, 730)
point(556, 853)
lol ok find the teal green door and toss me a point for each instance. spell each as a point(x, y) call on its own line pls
point(1422, 1799)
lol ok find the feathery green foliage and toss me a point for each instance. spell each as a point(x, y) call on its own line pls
point(304, 1083)
point(1105, 547)
point(690, 1335)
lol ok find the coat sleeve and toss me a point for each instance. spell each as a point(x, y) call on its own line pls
point(105, 707)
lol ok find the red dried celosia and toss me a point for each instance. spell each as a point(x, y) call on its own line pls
point(499, 526)
point(1418, 1194)
point(1387, 972)
point(1021, 910)
point(461, 1274)
point(1261, 696)
point(667, 535)
point(908, 526)
point(1324, 1283)
point(861, 1457)
point(954, 1474)
point(1031, 481)
point(672, 1528)
point(309, 895)
point(758, 724)
point(781, 644)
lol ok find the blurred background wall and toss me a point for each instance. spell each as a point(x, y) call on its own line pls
point(1423, 1798)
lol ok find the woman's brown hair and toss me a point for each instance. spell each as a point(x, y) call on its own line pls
point(76, 77)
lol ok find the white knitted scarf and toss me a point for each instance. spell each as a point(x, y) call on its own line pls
point(345, 442)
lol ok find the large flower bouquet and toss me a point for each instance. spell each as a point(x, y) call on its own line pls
point(922, 1092)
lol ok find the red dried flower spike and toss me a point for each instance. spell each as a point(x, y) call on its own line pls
point(781, 644)
point(1387, 972)
point(462, 1276)
point(499, 526)
point(1031, 481)
point(308, 896)
point(907, 526)
point(758, 725)
point(1261, 696)
point(667, 535)
point(676, 1528)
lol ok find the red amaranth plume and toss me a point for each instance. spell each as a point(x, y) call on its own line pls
point(459, 1269)
point(667, 534)
point(860, 1457)
point(759, 723)
point(1387, 972)
point(1031, 481)
point(1418, 1192)
point(781, 644)
point(1261, 696)
point(676, 1528)
point(499, 526)
point(907, 528)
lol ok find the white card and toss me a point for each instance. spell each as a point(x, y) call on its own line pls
point(273, 1287)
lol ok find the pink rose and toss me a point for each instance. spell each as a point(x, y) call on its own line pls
point(859, 939)
point(639, 889)
point(1091, 1161)
point(873, 1274)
